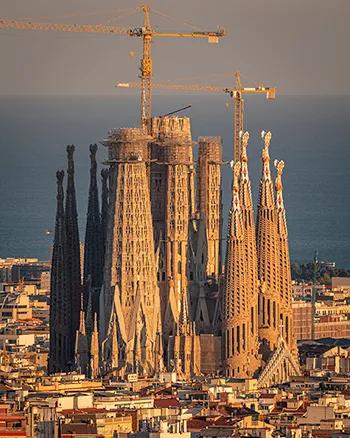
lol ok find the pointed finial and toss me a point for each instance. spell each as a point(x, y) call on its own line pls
point(93, 149)
point(265, 155)
point(70, 152)
point(59, 177)
point(279, 165)
point(266, 136)
point(236, 172)
point(244, 145)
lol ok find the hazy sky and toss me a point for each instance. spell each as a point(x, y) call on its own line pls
point(300, 46)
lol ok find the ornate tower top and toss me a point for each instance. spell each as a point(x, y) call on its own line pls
point(235, 227)
point(265, 156)
point(70, 152)
point(244, 156)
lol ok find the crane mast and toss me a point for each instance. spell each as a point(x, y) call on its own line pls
point(146, 71)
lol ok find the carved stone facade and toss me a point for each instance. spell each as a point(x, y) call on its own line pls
point(130, 292)
point(164, 296)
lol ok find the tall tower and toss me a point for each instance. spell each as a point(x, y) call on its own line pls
point(130, 288)
point(239, 347)
point(172, 198)
point(59, 306)
point(210, 208)
point(72, 257)
point(207, 237)
point(93, 249)
point(268, 263)
point(285, 280)
point(245, 196)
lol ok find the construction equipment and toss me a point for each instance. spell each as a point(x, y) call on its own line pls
point(238, 113)
point(146, 32)
point(235, 93)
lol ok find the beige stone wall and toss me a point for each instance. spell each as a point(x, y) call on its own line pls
point(211, 359)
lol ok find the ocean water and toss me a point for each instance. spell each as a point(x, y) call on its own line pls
point(310, 133)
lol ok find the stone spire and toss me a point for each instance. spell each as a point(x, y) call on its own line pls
point(94, 352)
point(59, 307)
point(81, 345)
point(245, 195)
point(104, 207)
point(93, 250)
point(237, 339)
point(267, 251)
point(285, 280)
point(130, 279)
point(72, 256)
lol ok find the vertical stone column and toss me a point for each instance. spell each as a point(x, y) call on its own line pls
point(285, 279)
point(210, 207)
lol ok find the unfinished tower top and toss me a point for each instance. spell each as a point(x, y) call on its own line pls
point(171, 128)
point(128, 144)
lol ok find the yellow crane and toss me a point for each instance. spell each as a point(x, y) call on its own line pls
point(146, 32)
point(235, 93)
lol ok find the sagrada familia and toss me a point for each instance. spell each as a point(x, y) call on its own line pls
point(154, 292)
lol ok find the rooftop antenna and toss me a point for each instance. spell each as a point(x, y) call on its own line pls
point(177, 111)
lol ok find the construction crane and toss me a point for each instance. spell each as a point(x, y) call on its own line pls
point(146, 32)
point(235, 93)
point(238, 112)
